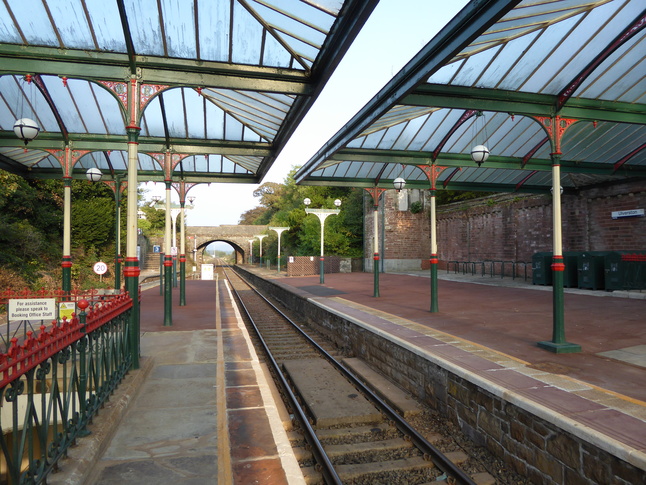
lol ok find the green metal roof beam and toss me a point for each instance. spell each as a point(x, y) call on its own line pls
point(423, 184)
point(154, 70)
point(146, 144)
point(458, 97)
point(464, 160)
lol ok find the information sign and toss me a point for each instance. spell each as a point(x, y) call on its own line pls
point(38, 309)
point(66, 309)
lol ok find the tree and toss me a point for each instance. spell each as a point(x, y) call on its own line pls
point(282, 206)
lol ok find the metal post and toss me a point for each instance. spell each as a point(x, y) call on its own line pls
point(182, 258)
point(117, 231)
point(375, 225)
point(322, 214)
point(168, 264)
point(67, 230)
point(131, 271)
point(434, 259)
point(279, 231)
point(558, 344)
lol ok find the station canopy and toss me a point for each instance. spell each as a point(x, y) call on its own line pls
point(496, 75)
point(224, 83)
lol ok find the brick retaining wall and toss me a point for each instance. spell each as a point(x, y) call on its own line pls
point(508, 227)
point(534, 446)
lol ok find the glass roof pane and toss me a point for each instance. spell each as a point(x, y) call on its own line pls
point(384, 140)
point(106, 25)
point(586, 41)
point(214, 21)
point(8, 31)
point(71, 24)
point(515, 138)
point(275, 54)
point(291, 26)
point(152, 123)
point(412, 127)
point(34, 23)
point(627, 60)
point(214, 122)
point(145, 27)
point(179, 27)
point(446, 73)
point(528, 67)
point(495, 75)
point(192, 103)
point(472, 69)
point(247, 37)
point(28, 157)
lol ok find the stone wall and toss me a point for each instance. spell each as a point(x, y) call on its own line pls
point(536, 443)
point(507, 227)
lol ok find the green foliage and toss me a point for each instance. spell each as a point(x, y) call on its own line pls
point(448, 196)
point(281, 205)
point(30, 225)
point(93, 222)
point(416, 207)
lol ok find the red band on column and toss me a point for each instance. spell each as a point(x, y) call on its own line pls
point(132, 268)
point(376, 257)
point(557, 263)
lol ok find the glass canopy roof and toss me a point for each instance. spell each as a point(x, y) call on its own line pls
point(224, 82)
point(496, 75)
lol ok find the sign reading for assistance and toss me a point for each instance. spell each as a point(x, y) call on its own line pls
point(40, 309)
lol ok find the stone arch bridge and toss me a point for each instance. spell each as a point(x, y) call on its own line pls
point(237, 236)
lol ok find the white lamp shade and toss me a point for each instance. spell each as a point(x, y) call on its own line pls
point(93, 174)
point(399, 183)
point(479, 154)
point(26, 129)
point(307, 201)
point(337, 202)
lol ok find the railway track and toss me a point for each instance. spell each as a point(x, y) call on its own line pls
point(344, 431)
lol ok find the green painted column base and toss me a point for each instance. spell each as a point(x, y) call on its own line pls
point(168, 291)
point(564, 348)
point(182, 281)
point(435, 307)
point(131, 277)
point(376, 273)
point(322, 270)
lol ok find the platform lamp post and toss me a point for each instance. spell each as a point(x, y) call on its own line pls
point(182, 252)
point(250, 258)
point(173, 215)
point(168, 261)
point(279, 231)
point(261, 237)
point(322, 214)
point(155, 200)
point(375, 193)
point(432, 172)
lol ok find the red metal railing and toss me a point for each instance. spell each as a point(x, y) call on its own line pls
point(36, 348)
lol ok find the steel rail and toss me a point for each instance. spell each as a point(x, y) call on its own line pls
point(322, 459)
point(434, 454)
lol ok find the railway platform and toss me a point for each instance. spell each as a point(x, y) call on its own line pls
point(201, 408)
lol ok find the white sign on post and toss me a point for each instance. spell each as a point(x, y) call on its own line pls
point(207, 271)
point(39, 309)
point(100, 268)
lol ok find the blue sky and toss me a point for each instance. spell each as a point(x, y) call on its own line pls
point(395, 32)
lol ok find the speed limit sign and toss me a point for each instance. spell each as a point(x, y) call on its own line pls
point(100, 268)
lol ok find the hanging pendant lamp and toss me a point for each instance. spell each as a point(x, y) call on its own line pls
point(480, 152)
point(26, 129)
